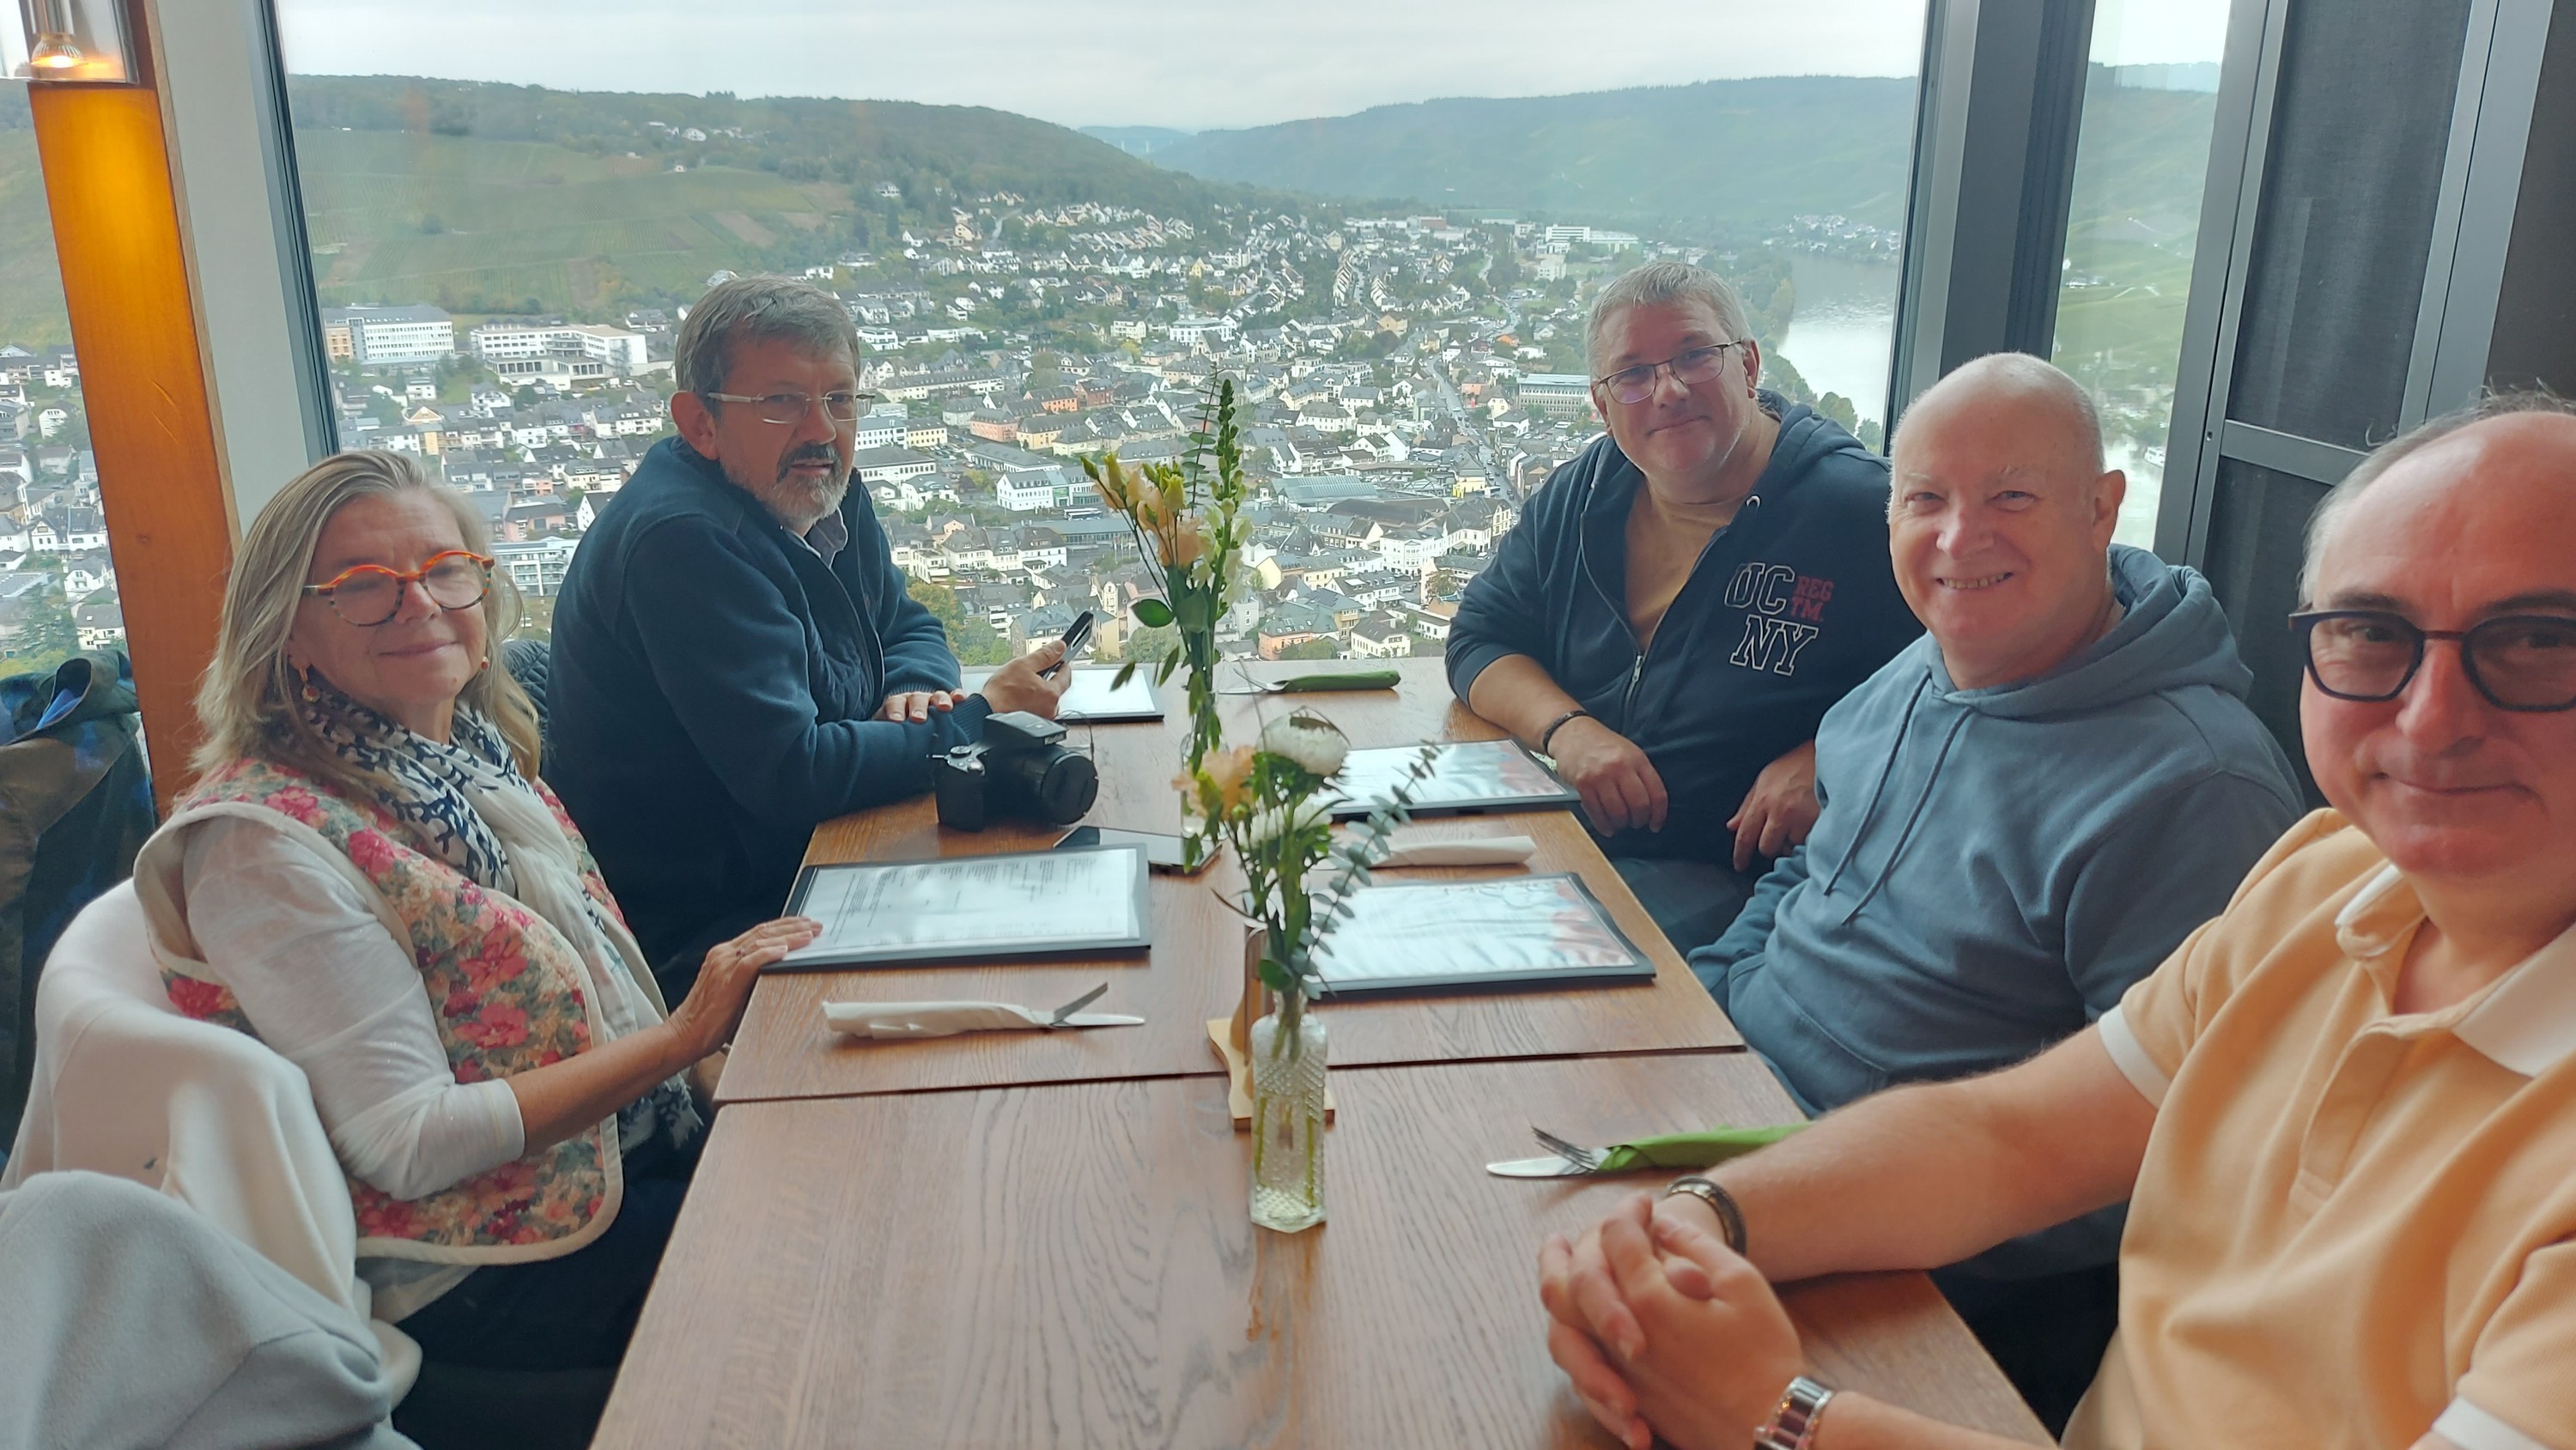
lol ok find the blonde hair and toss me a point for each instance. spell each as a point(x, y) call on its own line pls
point(248, 701)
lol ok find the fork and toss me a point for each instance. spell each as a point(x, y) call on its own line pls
point(1065, 1013)
point(1582, 1158)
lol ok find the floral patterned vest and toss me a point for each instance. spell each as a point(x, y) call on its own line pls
point(509, 993)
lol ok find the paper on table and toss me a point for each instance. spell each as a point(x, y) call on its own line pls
point(1092, 695)
point(943, 1019)
point(962, 904)
point(1484, 851)
point(1515, 928)
point(1464, 774)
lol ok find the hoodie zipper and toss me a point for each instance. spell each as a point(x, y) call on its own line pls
point(1618, 611)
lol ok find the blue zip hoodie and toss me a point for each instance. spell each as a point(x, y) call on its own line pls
point(1788, 608)
point(1994, 868)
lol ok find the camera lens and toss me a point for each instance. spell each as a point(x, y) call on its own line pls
point(1067, 787)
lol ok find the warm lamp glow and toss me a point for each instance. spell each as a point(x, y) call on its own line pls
point(54, 51)
point(80, 41)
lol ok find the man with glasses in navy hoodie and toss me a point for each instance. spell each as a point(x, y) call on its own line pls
point(1682, 602)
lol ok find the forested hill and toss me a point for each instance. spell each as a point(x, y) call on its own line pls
point(935, 154)
point(1739, 157)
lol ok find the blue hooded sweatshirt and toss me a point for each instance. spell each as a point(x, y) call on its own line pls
point(1788, 608)
point(1993, 868)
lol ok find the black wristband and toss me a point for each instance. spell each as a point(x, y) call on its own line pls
point(1559, 723)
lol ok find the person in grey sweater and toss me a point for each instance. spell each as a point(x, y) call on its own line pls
point(133, 1322)
point(2023, 813)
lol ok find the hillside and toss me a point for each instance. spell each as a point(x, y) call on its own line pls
point(31, 291)
point(1720, 158)
point(932, 153)
point(486, 198)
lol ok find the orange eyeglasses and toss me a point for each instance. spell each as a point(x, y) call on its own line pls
point(367, 595)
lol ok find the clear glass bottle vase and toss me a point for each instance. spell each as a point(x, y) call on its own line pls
point(1288, 1076)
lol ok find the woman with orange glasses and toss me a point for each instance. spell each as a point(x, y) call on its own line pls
point(368, 877)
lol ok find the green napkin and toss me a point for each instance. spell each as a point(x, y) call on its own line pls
point(1339, 680)
point(1692, 1150)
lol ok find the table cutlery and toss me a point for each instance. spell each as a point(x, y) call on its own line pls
point(1671, 1150)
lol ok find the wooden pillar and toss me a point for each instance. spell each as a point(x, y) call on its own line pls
point(134, 320)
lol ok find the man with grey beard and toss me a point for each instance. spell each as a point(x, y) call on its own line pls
point(735, 657)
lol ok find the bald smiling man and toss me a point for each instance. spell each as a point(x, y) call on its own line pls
point(2023, 813)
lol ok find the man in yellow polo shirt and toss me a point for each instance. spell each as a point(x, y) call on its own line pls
point(2344, 1112)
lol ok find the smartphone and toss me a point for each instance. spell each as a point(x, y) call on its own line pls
point(1162, 853)
point(1074, 639)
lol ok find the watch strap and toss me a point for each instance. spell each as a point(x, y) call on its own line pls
point(1793, 1424)
point(1730, 1214)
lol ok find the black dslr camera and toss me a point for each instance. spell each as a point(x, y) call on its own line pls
point(1019, 768)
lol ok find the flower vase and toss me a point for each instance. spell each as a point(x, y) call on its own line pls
point(1288, 1078)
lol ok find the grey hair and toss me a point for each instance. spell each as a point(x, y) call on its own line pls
point(756, 309)
point(2500, 404)
point(1656, 284)
point(248, 701)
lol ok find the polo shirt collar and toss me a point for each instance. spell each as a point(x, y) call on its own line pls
point(2525, 1023)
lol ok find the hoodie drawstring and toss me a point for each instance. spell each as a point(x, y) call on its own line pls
point(1886, 774)
point(1898, 851)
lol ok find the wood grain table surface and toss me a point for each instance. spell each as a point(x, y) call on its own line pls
point(1073, 1265)
point(1193, 971)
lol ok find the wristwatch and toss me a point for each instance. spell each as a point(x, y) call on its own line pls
point(1730, 1216)
point(1793, 1424)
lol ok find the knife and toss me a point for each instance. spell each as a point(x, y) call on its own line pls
point(1318, 683)
point(1671, 1150)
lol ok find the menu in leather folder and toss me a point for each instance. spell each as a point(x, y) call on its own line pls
point(1071, 903)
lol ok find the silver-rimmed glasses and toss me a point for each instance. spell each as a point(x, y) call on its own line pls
point(789, 409)
point(1690, 365)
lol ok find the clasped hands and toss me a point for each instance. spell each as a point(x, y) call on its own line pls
point(1664, 1329)
point(1622, 791)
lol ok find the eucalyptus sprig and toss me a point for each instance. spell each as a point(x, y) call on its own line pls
point(1271, 802)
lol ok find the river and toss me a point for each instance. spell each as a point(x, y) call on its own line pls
point(1844, 329)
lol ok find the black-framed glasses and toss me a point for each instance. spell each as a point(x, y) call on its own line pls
point(367, 595)
point(1690, 365)
point(789, 409)
point(2517, 661)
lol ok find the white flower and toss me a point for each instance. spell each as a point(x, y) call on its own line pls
point(1269, 825)
point(1314, 743)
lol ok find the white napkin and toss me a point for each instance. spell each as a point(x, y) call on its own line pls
point(1483, 851)
point(942, 1019)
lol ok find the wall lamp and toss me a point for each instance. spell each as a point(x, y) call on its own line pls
point(69, 40)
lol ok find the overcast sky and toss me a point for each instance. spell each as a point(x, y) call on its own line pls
point(1148, 62)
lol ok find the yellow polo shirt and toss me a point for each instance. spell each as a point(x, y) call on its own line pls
point(2351, 1226)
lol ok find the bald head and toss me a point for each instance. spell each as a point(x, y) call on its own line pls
point(2051, 411)
point(1999, 519)
point(2501, 431)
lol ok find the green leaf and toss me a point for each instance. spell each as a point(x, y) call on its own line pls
point(1126, 672)
point(1152, 613)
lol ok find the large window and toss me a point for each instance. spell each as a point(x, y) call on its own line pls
point(1385, 221)
point(57, 586)
point(2150, 99)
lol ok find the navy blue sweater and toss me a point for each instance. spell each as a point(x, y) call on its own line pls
point(713, 683)
point(1788, 608)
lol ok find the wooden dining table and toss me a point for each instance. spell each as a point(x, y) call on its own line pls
point(1193, 972)
point(1043, 1239)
